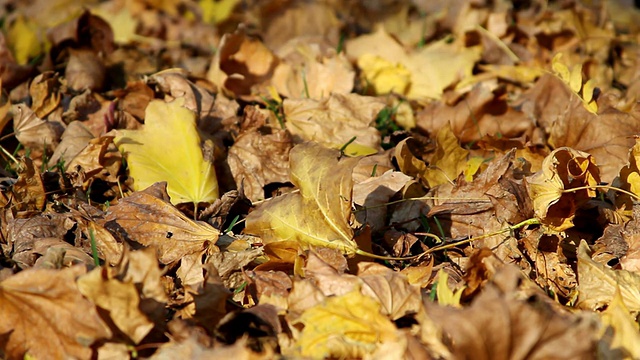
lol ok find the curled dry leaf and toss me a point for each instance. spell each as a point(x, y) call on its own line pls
point(319, 214)
point(597, 283)
point(151, 220)
point(562, 170)
point(33, 132)
point(168, 149)
point(500, 325)
point(373, 194)
point(391, 289)
point(241, 63)
point(43, 315)
point(345, 326)
point(335, 120)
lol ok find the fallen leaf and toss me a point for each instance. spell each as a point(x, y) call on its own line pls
point(335, 120)
point(34, 132)
point(617, 319)
point(373, 194)
point(344, 326)
point(24, 39)
point(151, 220)
point(500, 325)
point(319, 214)
point(597, 283)
point(449, 160)
point(446, 296)
point(563, 169)
point(45, 316)
point(189, 176)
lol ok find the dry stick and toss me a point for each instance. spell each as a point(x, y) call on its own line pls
point(608, 187)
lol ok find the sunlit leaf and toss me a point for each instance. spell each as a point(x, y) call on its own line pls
point(168, 149)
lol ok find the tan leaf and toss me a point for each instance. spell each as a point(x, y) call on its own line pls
point(29, 190)
point(319, 214)
point(151, 220)
point(597, 283)
point(373, 194)
point(33, 132)
point(43, 315)
point(391, 289)
point(44, 92)
point(335, 120)
point(120, 299)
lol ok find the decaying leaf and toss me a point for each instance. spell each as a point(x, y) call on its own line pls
point(168, 149)
point(562, 170)
point(597, 283)
point(335, 120)
point(147, 218)
point(319, 214)
point(344, 326)
point(43, 315)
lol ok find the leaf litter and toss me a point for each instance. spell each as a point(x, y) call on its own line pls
point(306, 179)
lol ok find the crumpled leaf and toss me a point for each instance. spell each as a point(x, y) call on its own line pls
point(34, 132)
point(43, 315)
point(373, 194)
point(346, 326)
point(147, 217)
point(563, 169)
point(319, 214)
point(335, 120)
point(168, 149)
point(597, 283)
point(500, 324)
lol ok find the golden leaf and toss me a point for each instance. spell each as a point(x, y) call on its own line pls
point(347, 326)
point(625, 337)
point(449, 161)
point(446, 296)
point(319, 214)
point(168, 149)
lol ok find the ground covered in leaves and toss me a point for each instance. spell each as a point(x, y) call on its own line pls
point(419, 179)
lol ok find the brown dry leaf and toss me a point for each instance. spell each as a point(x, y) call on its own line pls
point(85, 70)
point(43, 315)
point(501, 324)
point(99, 159)
point(335, 120)
point(319, 215)
point(563, 169)
point(120, 299)
point(311, 68)
point(33, 132)
point(192, 349)
point(373, 194)
point(389, 288)
point(75, 137)
point(44, 91)
point(28, 190)
point(241, 63)
point(147, 218)
point(408, 162)
point(257, 159)
point(597, 283)
point(301, 20)
point(605, 136)
point(345, 326)
point(485, 110)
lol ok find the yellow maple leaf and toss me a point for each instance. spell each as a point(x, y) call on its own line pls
point(168, 149)
point(347, 326)
point(446, 296)
point(23, 40)
point(319, 214)
point(449, 161)
point(383, 75)
point(217, 11)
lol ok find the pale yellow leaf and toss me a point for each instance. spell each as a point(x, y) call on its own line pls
point(23, 40)
point(168, 149)
point(319, 214)
point(446, 296)
point(625, 337)
point(587, 91)
point(575, 80)
point(560, 69)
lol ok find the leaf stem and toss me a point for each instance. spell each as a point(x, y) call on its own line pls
point(608, 187)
